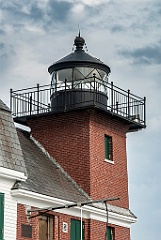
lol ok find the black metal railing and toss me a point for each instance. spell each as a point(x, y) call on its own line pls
point(30, 101)
point(37, 100)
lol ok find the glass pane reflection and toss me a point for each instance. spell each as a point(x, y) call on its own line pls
point(79, 77)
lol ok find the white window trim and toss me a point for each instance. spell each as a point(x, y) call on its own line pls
point(109, 161)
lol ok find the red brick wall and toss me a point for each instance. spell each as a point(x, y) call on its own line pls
point(93, 230)
point(122, 233)
point(58, 220)
point(98, 230)
point(66, 138)
point(23, 219)
point(76, 141)
point(108, 180)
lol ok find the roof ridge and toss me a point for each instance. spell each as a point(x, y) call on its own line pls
point(38, 144)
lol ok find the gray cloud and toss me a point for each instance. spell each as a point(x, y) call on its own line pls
point(2, 46)
point(2, 32)
point(59, 11)
point(6, 55)
point(22, 13)
point(13, 11)
point(154, 11)
point(36, 13)
point(117, 28)
point(147, 55)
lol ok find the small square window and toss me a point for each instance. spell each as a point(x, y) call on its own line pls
point(108, 147)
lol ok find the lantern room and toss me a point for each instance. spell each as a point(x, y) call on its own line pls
point(78, 80)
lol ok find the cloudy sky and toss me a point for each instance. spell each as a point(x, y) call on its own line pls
point(126, 35)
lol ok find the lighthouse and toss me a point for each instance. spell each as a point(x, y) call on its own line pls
point(81, 119)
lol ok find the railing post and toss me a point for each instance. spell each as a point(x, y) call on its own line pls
point(30, 104)
point(11, 99)
point(38, 91)
point(94, 78)
point(17, 108)
point(145, 111)
point(49, 106)
point(128, 103)
point(81, 93)
point(111, 96)
point(65, 96)
point(117, 106)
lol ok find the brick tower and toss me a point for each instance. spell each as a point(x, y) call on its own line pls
point(84, 127)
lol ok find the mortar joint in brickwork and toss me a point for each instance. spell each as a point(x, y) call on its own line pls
point(58, 166)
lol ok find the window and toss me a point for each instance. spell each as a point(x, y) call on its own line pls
point(109, 233)
point(75, 230)
point(1, 215)
point(108, 148)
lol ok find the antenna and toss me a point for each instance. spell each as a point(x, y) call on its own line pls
point(78, 31)
point(79, 35)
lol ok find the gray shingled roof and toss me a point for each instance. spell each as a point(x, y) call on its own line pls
point(11, 156)
point(3, 106)
point(44, 176)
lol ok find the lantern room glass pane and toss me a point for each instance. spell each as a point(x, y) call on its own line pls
point(64, 74)
point(84, 70)
point(99, 74)
point(103, 74)
point(79, 77)
point(53, 79)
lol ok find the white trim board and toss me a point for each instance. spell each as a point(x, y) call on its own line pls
point(89, 212)
point(12, 174)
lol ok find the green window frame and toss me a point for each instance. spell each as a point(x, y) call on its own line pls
point(108, 147)
point(1, 216)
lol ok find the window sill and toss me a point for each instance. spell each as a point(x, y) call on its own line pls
point(109, 161)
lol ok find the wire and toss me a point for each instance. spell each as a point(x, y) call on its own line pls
point(42, 211)
point(106, 231)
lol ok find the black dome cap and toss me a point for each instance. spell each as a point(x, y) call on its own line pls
point(78, 58)
point(79, 42)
